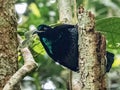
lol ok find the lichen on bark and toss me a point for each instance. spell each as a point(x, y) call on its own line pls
point(8, 42)
point(91, 53)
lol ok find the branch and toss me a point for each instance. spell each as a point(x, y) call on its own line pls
point(65, 11)
point(29, 65)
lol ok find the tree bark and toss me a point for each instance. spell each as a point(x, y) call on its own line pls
point(91, 55)
point(8, 42)
point(65, 11)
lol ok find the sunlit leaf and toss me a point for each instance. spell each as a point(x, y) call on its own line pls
point(110, 27)
point(116, 63)
point(34, 9)
point(39, 49)
point(19, 57)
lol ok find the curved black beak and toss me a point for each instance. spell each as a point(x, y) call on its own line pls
point(36, 31)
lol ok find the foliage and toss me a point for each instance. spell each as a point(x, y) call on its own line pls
point(46, 11)
point(110, 27)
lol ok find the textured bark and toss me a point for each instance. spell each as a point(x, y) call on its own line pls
point(8, 42)
point(65, 11)
point(29, 66)
point(91, 55)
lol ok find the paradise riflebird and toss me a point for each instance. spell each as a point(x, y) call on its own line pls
point(61, 44)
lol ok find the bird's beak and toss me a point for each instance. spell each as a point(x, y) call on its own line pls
point(36, 31)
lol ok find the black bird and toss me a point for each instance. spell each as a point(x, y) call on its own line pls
point(61, 44)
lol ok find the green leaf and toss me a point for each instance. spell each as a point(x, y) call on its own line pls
point(110, 27)
point(39, 49)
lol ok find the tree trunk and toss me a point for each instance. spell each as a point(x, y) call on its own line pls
point(91, 55)
point(8, 42)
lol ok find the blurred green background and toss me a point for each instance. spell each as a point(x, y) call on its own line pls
point(50, 75)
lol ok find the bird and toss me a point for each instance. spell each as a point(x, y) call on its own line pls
point(61, 44)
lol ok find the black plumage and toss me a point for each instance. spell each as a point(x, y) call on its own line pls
point(110, 60)
point(61, 44)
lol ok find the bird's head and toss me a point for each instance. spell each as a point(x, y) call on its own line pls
point(42, 29)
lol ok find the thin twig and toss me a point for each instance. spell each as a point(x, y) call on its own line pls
point(75, 12)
